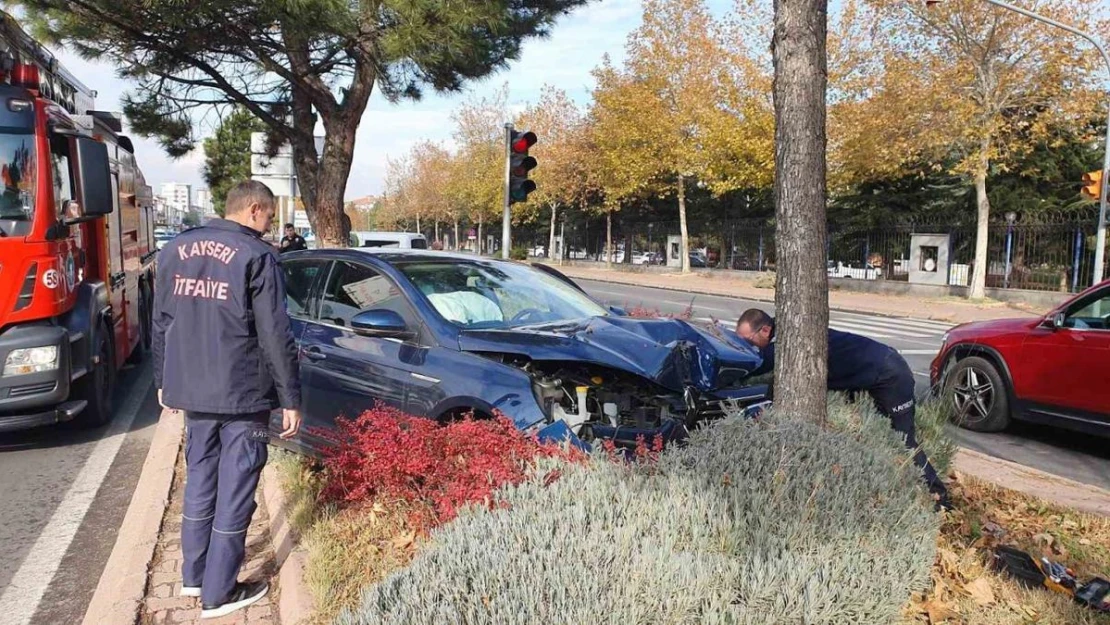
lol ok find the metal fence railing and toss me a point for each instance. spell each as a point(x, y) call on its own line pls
point(1039, 256)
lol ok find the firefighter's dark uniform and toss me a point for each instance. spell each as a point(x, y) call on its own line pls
point(224, 353)
point(858, 364)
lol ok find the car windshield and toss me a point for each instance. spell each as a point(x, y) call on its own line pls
point(502, 295)
point(17, 159)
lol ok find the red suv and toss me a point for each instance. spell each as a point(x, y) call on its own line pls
point(1053, 370)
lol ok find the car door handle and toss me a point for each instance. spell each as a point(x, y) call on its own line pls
point(314, 353)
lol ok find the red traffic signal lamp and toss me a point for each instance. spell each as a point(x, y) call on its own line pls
point(521, 141)
point(1092, 185)
point(520, 164)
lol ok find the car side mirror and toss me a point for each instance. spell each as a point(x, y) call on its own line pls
point(618, 311)
point(1058, 320)
point(380, 323)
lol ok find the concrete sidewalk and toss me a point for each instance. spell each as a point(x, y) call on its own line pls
point(951, 309)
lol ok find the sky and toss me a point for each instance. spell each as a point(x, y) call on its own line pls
point(577, 44)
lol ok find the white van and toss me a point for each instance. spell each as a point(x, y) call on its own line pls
point(402, 240)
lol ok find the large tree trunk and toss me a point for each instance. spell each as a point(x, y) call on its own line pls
point(609, 239)
point(478, 247)
point(801, 285)
point(331, 229)
point(455, 246)
point(551, 239)
point(418, 223)
point(322, 179)
point(978, 288)
point(322, 184)
point(437, 231)
point(682, 230)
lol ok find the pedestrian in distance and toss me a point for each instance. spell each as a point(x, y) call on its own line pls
point(224, 353)
point(292, 242)
point(858, 364)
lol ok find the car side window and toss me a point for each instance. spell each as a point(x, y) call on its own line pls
point(300, 275)
point(1094, 315)
point(353, 288)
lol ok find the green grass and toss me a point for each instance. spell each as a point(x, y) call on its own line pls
point(301, 479)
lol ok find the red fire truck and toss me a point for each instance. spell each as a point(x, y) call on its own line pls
point(76, 244)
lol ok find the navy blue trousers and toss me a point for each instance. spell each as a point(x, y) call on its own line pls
point(224, 456)
point(893, 394)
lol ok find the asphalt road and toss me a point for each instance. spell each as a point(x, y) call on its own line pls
point(65, 492)
point(1075, 456)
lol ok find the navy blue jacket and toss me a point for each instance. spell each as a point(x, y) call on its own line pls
point(222, 339)
point(856, 363)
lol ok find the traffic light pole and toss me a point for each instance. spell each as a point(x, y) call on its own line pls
point(506, 232)
point(1100, 239)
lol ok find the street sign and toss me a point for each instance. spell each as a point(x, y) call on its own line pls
point(300, 220)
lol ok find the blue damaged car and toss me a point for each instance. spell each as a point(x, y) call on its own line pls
point(441, 335)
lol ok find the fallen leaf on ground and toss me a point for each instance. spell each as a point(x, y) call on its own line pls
point(948, 560)
point(404, 540)
point(1045, 538)
point(939, 611)
point(980, 591)
point(993, 529)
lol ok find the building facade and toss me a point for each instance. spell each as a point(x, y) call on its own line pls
point(204, 204)
point(176, 201)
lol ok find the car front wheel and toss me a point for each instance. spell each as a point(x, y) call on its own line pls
point(978, 395)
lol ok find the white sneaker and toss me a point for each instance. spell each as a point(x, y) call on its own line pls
point(190, 591)
point(242, 596)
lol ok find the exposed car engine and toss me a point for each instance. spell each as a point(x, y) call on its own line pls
point(604, 403)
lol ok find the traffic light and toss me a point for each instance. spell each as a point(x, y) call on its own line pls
point(520, 164)
point(1092, 185)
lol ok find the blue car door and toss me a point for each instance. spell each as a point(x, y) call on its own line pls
point(302, 281)
point(343, 373)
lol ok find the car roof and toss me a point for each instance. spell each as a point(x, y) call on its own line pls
point(393, 255)
point(388, 235)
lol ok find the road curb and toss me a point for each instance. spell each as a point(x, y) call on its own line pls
point(295, 604)
point(122, 586)
point(1050, 487)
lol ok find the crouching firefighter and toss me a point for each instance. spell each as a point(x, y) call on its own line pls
point(858, 364)
point(224, 353)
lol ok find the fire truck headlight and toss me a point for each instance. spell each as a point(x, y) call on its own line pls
point(31, 360)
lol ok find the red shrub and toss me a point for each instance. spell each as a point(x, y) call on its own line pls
point(387, 454)
point(642, 452)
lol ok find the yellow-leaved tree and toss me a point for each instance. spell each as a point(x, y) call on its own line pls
point(966, 81)
point(477, 176)
point(683, 108)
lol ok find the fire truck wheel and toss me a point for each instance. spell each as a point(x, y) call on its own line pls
point(96, 386)
point(139, 353)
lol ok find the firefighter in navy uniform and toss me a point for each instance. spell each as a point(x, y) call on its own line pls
point(224, 353)
point(858, 364)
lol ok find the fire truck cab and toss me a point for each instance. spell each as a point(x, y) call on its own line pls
point(76, 245)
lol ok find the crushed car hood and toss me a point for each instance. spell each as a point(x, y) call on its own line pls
point(672, 353)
